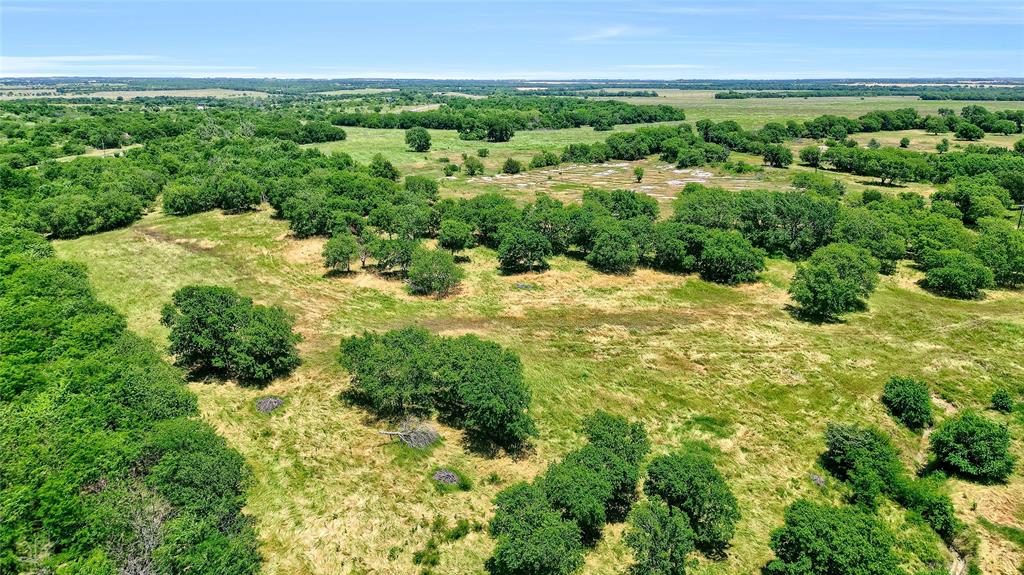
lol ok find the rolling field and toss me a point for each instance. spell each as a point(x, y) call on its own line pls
point(132, 94)
point(693, 360)
point(754, 112)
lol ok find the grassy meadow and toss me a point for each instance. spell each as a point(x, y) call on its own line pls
point(755, 112)
point(695, 361)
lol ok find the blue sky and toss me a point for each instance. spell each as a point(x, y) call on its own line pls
point(514, 39)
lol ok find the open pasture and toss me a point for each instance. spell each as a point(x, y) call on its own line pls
point(692, 360)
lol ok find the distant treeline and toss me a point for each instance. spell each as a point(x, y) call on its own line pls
point(487, 87)
point(497, 117)
point(923, 92)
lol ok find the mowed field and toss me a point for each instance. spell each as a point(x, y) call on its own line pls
point(132, 94)
point(694, 361)
point(755, 112)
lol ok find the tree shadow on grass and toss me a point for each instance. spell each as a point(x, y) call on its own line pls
point(800, 314)
point(339, 273)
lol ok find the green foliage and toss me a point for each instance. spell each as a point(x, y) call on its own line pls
point(511, 166)
point(660, 538)
point(614, 251)
point(976, 198)
point(690, 482)
point(811, 155)
point(1002, 400)
point(638, 173)
point(471, 383)
point(705, 206)
point(882, 233)
point(433, 272)
point(391, 371)
point(824, 540)
point(908, 401)
point(1001, 248)
point(973, 447)
point(340, 251)
point(729, 258)
point(777, 156)
point(837, 279)
point(473, 166)
point(532, 538)
point(99, 444)
point(904, 142)
point(820, 184)
point(380, 167)
point(677, 247)
point(523, 250)
point(544, 159)
point(968, 131)
point(957, 274)
point(418, 139)
point(616, 434)
point(580, 492)
point(215, 330)
point(238, 193)
point(184, 198)
point(455, 235)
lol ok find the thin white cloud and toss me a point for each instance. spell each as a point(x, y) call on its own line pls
point(101, 64)
point(613, 32)
point(663, 66)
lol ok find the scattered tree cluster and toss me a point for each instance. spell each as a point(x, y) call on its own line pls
point(543, 527)
point(106, 466)
point(469, 382)
point(213, 330)
point(497, 118)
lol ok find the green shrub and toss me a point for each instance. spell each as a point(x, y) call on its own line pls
point(690, 482)
point(531, 537)
point(580, 492)
point(908, 401)
point(825, 540)
point(614, 251)
point(473, 166)
point(215, 330)
point(677, 247)
point(483, 152)
point(511, 166)
point(184, 198)
point(1002, 400)
point(777, 156)
point(974, 447)
point(238, 193)
point(380, 167)
point(838, 278)
point(523, 250)
point(478, 385)
point(848, 446)
point(433, 272)
point(340, 251)
point(1001, 249)
point(957, 274)
point(729, 258)
point(391, 371)
point(660, 538)
point(455, 235)
point(544, 159)
point(418, 139)
point(618, 435)
point(471, 383)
